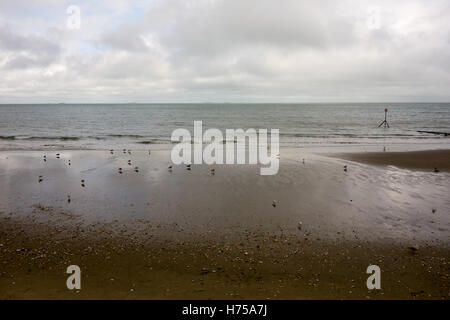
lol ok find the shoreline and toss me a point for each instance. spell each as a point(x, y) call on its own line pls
point(313, 148)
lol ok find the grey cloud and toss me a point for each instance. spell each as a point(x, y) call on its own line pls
point(27, 50)
point(226, 26)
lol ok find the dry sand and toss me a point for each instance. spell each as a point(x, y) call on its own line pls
point(423, 160)
point(161, 234)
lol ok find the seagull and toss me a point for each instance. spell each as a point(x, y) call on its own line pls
point(413, 249)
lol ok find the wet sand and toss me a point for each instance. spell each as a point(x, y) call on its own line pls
point(423, 160)
point(189, 234)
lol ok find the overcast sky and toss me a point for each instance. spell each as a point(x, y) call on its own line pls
point(225, 51)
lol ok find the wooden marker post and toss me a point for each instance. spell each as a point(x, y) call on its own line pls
point(385, 123)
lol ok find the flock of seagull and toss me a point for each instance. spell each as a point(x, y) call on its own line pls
point(120, 170)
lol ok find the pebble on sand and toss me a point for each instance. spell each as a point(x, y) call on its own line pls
point(274, 203)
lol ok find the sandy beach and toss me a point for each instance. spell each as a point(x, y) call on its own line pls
point(421, 160)
point(149, 232)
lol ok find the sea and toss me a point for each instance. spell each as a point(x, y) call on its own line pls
point(333, 126)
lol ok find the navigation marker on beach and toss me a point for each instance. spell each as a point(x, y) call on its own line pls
point(385, 123)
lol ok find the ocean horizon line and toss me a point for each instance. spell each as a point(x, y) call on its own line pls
point(223, 103)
